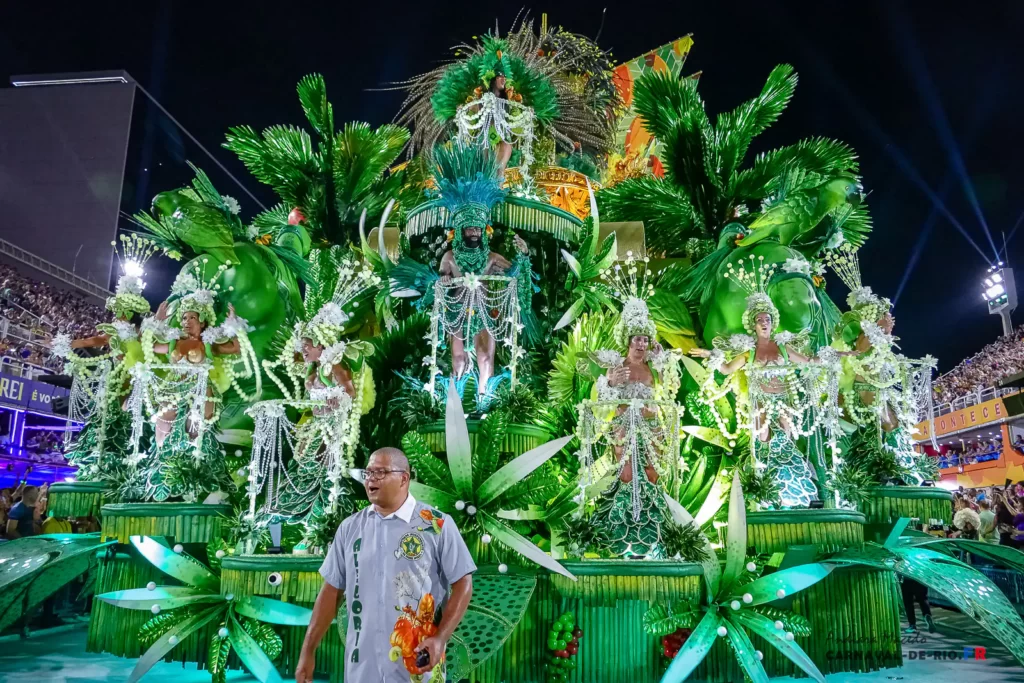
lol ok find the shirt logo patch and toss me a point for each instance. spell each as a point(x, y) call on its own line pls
point(410, 547)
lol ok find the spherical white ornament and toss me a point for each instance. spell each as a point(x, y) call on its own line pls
point(238, 452)
point(222, 632)
point(229, 597)
point(470, 510)
point(220, 554)
point(151, 586)
point(751, 567)
point(759, 655)
point(735, 604)
point(460, 505)
point(722, 631)
point(502, 568)
point(779, 625)
point(155, 609)
point(732, 444)
point(780, 593)
point(748, 598)
point(173, 640)
point(178, 547)
point(485, 539)
point(789, 635)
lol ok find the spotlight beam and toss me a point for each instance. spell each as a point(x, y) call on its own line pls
point(902, 32)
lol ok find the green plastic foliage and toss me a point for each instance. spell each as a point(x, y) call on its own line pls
point(163, 645)
point(432, 496)
point(736, 542)
point(166, 597)
point(765, 628)
point(661, 619)
point(712, 569)
point(709, 434)
point(789, 581)
point(272, 611)
point(518, 469)
point(217, 658)
point(521, 545)
point(248, 650)
point(457, 443)
point(695, 650)
point(745, 654)
point(178, 566)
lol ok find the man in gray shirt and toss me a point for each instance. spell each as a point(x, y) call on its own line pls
point(395, 561)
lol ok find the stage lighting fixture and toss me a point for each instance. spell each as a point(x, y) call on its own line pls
point(999, 292)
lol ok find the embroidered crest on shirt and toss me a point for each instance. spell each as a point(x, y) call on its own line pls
point(410, 547)
point(434, 518)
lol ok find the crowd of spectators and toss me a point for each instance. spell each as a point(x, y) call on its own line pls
point(1001, 359)
point(994, 514)
point(980, 450)
point(34, 304)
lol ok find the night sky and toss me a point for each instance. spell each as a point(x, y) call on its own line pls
point(927, 93)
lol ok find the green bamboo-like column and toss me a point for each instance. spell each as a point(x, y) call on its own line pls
point(183, 522)
point(289, 578)
point(854, 613)
point(886, 504)
point(518, 439)
point(76, 498)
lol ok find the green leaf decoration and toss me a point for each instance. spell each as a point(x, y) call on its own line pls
point(254, 658)
point(744, 651)
point(272, 611)
point(179, 566)
point(427, 468)
point(712, 568)
point(789, 581)
point(571, 313)
point(495, 609)
point(158, 625)
point(502, 533)
point(709, 434)
point(217, 658)
point(765, 628)
point(167, 597)
point(488, 446)
point(313, 97)
point(265, 637)
point(574, 264)
point(181, 631)
point(694, 650)
point(518, 469)
point(1006, 556)
point(797, 623)
point(434, 497)
point(661, 620)
point(458, 445)
point(736, 541)
point(712, 504)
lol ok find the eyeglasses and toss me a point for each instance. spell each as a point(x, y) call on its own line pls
point(372, 475)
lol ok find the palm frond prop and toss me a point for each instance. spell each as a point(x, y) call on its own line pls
point(326, 183)
point(736, 602)
point(180, 611)
point(705, 185)
point(471, 487)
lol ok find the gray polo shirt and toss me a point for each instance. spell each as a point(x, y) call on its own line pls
point(395, 572)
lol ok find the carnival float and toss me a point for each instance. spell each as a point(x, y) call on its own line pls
point(599, 327)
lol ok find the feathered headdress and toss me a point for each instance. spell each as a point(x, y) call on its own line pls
point(354, 279)
point(197, 294)
point(128, 299)
point(865, 306)
point(630, 284)
point(467, 185)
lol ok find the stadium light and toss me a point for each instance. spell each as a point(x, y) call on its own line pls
point(999, 292)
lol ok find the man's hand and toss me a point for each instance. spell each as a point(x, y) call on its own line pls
point(304, 669)
point(435, 646)
point(521, 246)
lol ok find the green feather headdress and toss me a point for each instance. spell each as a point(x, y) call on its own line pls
point(467, 185)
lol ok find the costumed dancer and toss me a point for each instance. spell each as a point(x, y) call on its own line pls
point(781, 403)
point(332, 388)
point(102, 382)
point(636, 415)
point(182, 396)
point(481, 296)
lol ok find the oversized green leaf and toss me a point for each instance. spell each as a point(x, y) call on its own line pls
point(798, 624)
point(164, 645)
point(272, 611)
point(745, 653)
point(313, 97)
point(574, 264)
point(167, 597)
point(893, 539)
point(437, 498)
point(789, 581)
point(694, 650)
point(458, 445)
point(1010, 558)
point(712, 569)
point(524, 547)
point(518, 469)
point(765, 628)
point(710, 434)
point(264, 635)
point(736, 541)
point(179, 566)
point(607, 256)
point(254, 659)
point(572, 313)
point(695, 369)
point(217, 658)
point(427, 468)
point(663, 619)
point(712, 504)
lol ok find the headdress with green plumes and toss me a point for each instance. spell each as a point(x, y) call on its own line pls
point(195, 293)
point(865, 305)
point(468, 188)
point(496, 60)
point(128, 299)
point(754, 276)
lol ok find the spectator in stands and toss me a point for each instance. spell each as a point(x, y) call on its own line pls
point(25, 517)
point(987, 530)
point(45, 309)
point(1000, 359)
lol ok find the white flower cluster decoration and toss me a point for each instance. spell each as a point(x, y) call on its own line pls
point(125, 330)
point(797, 264)
point(161, 329)
point(330, 314)
point(184, 283)
point(333, 354)
point(828, 356)
point(876, 335)
point(716, 360)
point(235, 324)
point(783, 338)
point(739, 343)
point(605, 391)
point(130, 284)
point(232, 204)
point(860, 297)
point(608, 358)
point(61, 345)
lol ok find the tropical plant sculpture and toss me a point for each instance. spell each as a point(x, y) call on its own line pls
point(180, 611)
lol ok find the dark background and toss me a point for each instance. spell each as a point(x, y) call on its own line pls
point(927, 93)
